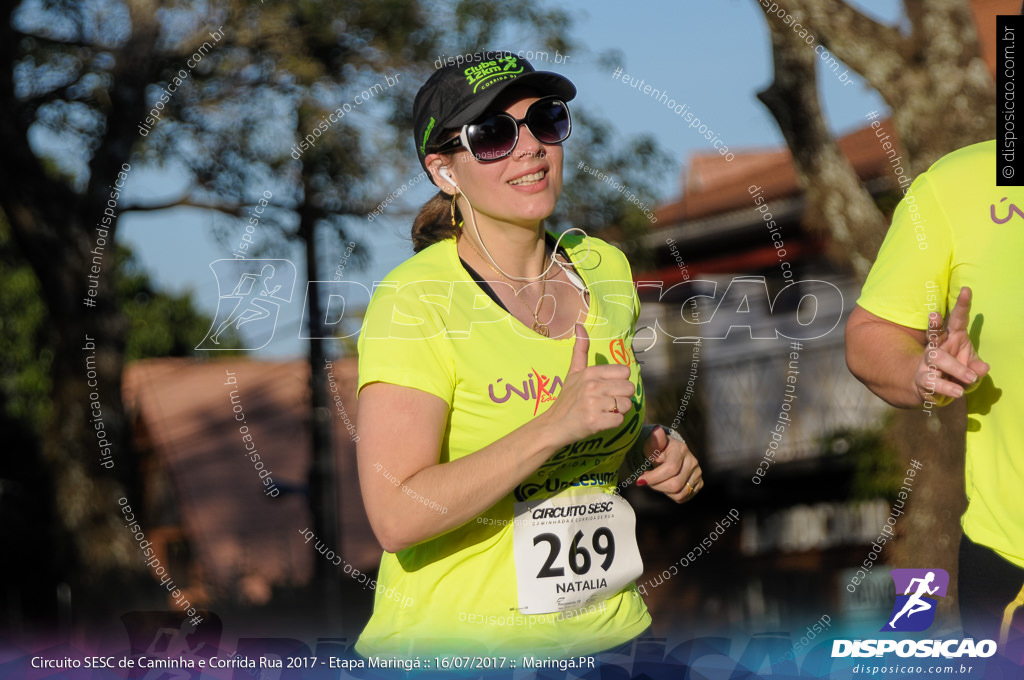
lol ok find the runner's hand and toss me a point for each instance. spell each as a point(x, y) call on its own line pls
point(676, 472)
point(590, 396)
point(949, 366)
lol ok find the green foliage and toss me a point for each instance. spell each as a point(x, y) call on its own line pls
point(86, 76)
point(278, 71)
point(160, 324)
point(24, 360)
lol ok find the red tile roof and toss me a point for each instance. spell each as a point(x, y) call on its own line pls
point(716, 186)
point(236, 532)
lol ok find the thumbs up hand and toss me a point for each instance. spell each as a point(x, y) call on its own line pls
point(580, 350)
point(592, 399)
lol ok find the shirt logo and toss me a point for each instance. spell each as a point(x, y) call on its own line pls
point(619, 352)
point(914, 610)
point(537, 388)
point(545, 389)
point(1009, 214)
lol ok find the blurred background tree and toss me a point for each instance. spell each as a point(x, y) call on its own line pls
point(932, 75)
point(37, 541)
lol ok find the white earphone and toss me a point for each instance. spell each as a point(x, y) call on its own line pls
point(447, 174)
point(444, 172)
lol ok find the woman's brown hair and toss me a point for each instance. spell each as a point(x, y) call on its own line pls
point(434, 222)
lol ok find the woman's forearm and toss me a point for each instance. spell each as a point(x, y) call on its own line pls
point(444, 496)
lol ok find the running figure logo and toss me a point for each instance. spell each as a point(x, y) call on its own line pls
point(545, 390)
point(915, 608)
point(258, 288)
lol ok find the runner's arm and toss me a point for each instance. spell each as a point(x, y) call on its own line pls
point(893, 362)
point(401, 430)
point(406, 448)
point(884, 356)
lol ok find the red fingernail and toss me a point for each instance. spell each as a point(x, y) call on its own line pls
point(641, 482)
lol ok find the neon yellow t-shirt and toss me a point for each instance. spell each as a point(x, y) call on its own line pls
point(431, 327)
point(956, 228)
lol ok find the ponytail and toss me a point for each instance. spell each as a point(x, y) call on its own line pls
point(434, 222)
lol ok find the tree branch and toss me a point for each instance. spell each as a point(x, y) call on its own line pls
point(236, 210)
point(938, 67)
point(870, 48)
point(839, 209)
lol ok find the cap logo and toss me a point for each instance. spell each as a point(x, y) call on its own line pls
point(487, 72)
point(426, 136)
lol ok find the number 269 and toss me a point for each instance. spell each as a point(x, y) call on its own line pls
point(602, 542)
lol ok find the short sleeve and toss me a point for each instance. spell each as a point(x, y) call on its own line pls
point(910, 276)
point(402, 341)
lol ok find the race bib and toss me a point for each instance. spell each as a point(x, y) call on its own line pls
point(571, 550)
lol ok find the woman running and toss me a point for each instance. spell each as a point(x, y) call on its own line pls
point(499, 395)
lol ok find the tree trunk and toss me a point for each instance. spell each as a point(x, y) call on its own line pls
point(839, 210)
point(929, 531)
point(71, 252)
point(934, 79)
point(323, 491)
point(942, 98)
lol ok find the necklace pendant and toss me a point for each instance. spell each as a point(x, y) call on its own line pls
point(540, 328)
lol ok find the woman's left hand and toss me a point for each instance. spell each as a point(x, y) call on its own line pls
point(676, 472)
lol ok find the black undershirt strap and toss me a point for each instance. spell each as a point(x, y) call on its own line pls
point(486, 287)
point(483, 284)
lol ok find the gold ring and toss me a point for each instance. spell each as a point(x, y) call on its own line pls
point(692, 490)
point(615, 408)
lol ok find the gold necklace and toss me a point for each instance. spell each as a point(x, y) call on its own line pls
point(538, 327)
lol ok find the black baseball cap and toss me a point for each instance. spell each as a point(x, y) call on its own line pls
point(457, 94)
